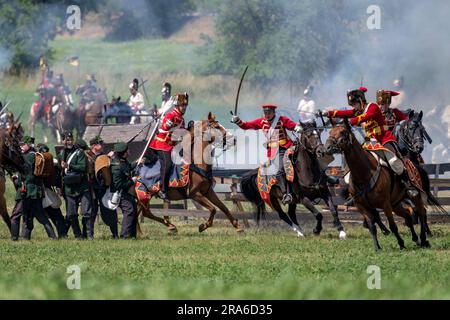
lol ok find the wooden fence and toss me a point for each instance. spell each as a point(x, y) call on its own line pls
point(228, 189)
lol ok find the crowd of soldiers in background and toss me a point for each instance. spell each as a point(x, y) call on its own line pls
point(72, 176)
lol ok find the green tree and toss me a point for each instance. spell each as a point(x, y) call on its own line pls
point(27, 26)
point(282, 40)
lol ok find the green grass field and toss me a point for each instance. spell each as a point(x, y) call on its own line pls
point(220, 264)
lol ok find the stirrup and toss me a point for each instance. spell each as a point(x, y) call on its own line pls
point(287, 198)
point(350, 202)
point(412, 192)
point(332, 180)
point(163, 196)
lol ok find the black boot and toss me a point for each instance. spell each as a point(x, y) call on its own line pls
point(15, 231)
point(75, 227)
point(50, 232)
point(410, 190)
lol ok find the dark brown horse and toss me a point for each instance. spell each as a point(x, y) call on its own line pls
point(203, 134)
point(375, 186)
point(309, 184)
point(11, 160)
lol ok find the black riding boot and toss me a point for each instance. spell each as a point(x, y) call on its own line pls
point(284, 186)
point(410, 189)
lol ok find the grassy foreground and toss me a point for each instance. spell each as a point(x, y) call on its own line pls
point(268, 263)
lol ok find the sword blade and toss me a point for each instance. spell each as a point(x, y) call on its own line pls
point(239, 90)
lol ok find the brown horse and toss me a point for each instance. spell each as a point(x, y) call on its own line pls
point(10, 160)
point(374, 186)
point(200, 186)
point(90, 113)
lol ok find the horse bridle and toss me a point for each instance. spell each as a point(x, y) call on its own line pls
point(316, 134)
point(404, 137)
point(346, 140)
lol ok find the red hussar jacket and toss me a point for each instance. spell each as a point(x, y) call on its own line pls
point(392, 117)
point(274, 142)
point(172, 120)
point(373, 119)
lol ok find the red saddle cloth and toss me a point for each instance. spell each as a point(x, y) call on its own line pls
point(413, 174)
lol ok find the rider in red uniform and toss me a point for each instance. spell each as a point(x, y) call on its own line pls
point(373, 119)
point(275, 144)
point(392, 116)
point(163, 143)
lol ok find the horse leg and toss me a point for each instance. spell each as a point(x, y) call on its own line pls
point(402, 212)
point(293, 216)
point(333, 209)
point(319, 217)
point(393, 226)
point(212, 196)
point(4, 211)
point(203, 201)
point(282, 215)
point(148, 214)
point(422, 213)
point(379, 222)
point(370, 221)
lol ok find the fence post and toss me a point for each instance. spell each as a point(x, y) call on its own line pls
point(436, 176)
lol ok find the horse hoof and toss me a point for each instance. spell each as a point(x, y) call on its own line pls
point(300, 234)
point(342, 235)
point(425, 244)
point(173, 230)
point(317, 231)
point(202, 227)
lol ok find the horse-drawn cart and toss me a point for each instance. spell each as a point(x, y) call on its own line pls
point(111, 133)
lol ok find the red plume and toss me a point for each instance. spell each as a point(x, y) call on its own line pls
point(393, 93)
point(363, 89)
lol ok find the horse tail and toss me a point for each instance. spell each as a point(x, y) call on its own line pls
point(431, 200)
point(250, 190)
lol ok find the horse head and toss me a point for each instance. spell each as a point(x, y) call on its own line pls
point(310, 139)
point(209, 133)
point(340, 139)
point(412, 132)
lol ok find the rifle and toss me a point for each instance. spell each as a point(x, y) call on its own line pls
point(140, 131)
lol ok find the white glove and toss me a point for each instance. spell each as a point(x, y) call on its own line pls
point(298, 128)
point(235, 119)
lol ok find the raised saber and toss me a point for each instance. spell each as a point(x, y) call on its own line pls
point(238, 92)
point(6, 106)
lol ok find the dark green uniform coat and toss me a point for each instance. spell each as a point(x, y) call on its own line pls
point(78, 164)
point(34, 186)
point(121, 174)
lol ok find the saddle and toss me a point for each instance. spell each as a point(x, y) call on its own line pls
point(386, 158)
point(149, 180)
point(269, 175)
